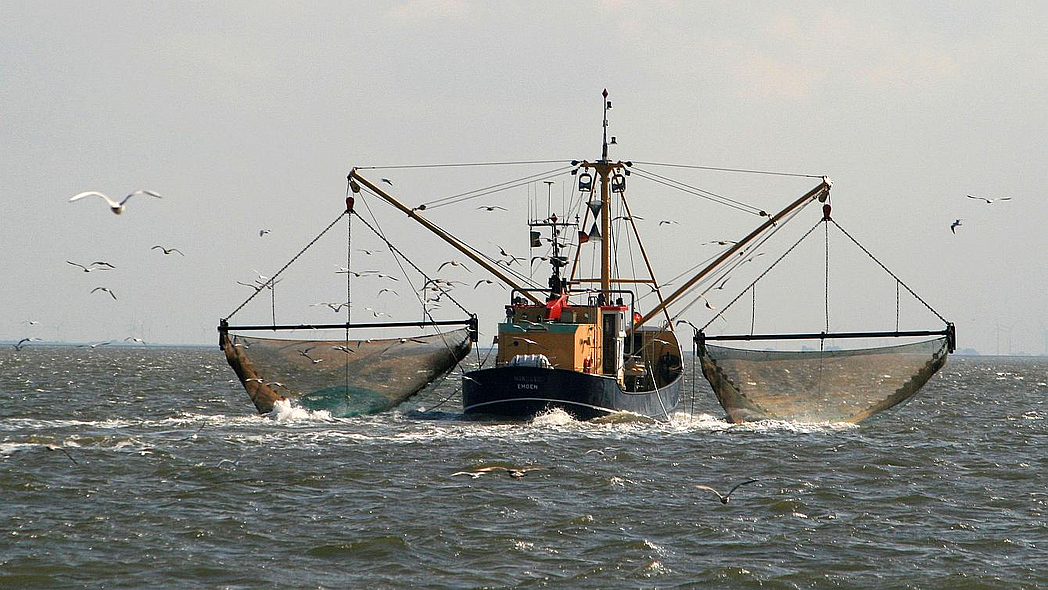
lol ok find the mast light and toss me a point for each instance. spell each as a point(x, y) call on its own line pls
point(586, 182)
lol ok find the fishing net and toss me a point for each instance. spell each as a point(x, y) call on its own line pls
point(344, 377)
point(819, 386)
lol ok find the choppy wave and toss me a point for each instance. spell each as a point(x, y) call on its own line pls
point(952, 482)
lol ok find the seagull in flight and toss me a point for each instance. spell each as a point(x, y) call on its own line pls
point(335, 307)
point(528, 341)
point(23, 342)
point(363, 273)
point(989, 201)
point(93, 266)
point(105, 289)
point(724, 498)
point(517, 472)
point(954, 225)
point(54, 447)
point(511, 258)
point(693, 326)
point(668, 222)
point(387, 181)
point(263, 232)
point(492, 208)
point(487, 282)
point(115, 207)
point(305, 353)
point(167, 250)
point(453, 263)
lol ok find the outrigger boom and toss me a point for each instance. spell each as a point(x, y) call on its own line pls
point(355, 177)
point(820, 192)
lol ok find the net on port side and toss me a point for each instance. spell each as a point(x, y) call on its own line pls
point(344, 377)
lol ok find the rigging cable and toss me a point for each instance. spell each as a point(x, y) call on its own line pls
point(349, 277)
point(826, 294)
point(717, 169)
point(874, 258)
point(480, 192)
point(698, 192)
point(293, 259)
point(766, 271)
point(400, 254)
point(459, 165)
point(743, 259)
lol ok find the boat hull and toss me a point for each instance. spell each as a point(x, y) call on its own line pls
point(522, 392)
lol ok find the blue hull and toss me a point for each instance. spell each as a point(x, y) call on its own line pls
point(522, 392)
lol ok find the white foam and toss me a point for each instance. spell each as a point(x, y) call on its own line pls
point(554, 417)
point(284, 411)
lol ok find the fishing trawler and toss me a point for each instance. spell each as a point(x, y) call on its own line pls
point(583, 342)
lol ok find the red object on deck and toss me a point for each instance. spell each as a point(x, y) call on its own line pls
point(555, 306)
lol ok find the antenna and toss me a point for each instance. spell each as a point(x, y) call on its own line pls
point(549, 197)
point(607, 107)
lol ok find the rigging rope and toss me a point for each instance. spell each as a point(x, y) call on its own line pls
point(874, 258)
point(740, 261)
point(459, 165)
point(854, 241)
point(272, 280)
point(349, 277)
point(766, 271)
point(698, 192)
point(717, 169)
point(826, 294)
point(400, 254)
point(487, 190)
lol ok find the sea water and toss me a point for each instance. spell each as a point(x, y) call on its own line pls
point(149, 468)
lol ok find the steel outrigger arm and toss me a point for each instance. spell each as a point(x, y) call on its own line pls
point(820, 192)
point(355, 177)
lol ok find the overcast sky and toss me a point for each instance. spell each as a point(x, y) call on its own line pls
point(248, 116)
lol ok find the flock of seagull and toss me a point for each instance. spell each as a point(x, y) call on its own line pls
point(117, 207)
